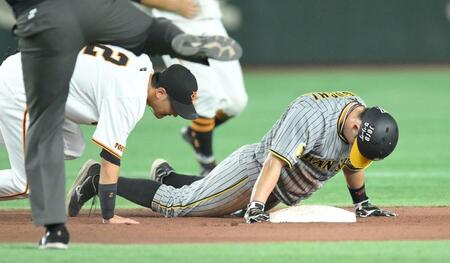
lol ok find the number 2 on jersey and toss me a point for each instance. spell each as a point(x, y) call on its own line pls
point(107, 53)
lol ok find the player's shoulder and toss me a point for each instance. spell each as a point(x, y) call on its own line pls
point(327, 99)
point(114, 56)
point(11, 67)
point(13, 59)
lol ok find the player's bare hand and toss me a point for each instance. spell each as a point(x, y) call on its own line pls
point(187, 8)
point(120, 220)
point(366, 209)
point(255, 213)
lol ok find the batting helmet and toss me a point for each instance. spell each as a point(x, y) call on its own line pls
point(377, 137)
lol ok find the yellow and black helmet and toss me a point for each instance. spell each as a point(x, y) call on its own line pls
point(377, 137)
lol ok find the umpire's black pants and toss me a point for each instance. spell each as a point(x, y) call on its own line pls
point(50, 36)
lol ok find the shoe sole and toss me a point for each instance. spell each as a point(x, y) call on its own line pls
point(215, 47)
point(83, 172)
point(55, 245)
point(155, 164)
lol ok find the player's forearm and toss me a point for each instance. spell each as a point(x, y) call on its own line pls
point(109, 172)
point(355, 179)
point(267, 179)
point(355, 184)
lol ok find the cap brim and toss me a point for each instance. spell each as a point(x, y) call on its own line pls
point(357, 159)
point(186, 111)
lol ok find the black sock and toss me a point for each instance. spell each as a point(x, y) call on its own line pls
point(178, 180)
point(220, 121)
point(205, 143)
point(221, 117)
point(138, 191)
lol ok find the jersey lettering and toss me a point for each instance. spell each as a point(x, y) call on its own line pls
point(119, 147)
point(117, 58)
point(337, 94)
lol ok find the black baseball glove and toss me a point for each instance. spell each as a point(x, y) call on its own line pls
point(255, 213)
point(366, 209)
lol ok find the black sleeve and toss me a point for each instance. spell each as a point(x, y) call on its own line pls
point(109, 157)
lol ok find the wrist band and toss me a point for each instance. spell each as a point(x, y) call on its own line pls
point(358, 195)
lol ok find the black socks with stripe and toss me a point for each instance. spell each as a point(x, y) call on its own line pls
point(178, 180)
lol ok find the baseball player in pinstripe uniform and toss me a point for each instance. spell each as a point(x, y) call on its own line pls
point(318, 135)
point(222, 93)
point(110, 88)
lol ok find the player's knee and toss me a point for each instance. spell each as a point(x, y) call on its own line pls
point(13, 185)
point(73, 154)
point(238, 105)
point(75, 151)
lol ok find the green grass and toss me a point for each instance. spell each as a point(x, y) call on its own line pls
point(417, 173)
point(388, 251)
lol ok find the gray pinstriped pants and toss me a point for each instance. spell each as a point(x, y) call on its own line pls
point(225, 190)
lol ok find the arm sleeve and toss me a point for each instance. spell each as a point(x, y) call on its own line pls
point(118, 117)
point(296, 134)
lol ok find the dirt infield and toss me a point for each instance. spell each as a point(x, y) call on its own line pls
point(423, 223)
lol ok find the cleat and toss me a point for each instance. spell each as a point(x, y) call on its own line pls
point(55, 239)
point(215, 47)
point(83, 188)
point(206, 168)
point(160, 170)
point(207, 164)
point(188, 137)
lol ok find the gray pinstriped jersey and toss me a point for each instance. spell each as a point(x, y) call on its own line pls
point(307, 138)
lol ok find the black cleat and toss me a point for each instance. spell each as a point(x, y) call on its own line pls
point(215, 47)
point(83, 188)
point(206, 168)
point(207, 163)
point(55, 239)
point(160, 170)
point(188, 136)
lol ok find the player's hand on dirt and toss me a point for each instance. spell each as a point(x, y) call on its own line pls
point(187, 8)
point(366, 209)
point(255, 213)
point(120, 220)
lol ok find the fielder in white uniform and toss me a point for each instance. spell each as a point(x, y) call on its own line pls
point(222, 93)
point(110, 88)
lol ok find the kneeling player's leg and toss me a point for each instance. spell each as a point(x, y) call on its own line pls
point(225, 190)
point(13, 181)
point(73, 140)
point(138, 191)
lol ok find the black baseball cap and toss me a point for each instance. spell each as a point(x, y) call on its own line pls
point(377, 137)
point(181, 86)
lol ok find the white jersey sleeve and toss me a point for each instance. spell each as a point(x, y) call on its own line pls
point(118, 117)
point(110, 94)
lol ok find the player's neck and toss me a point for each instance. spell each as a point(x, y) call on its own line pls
point(352, 124)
